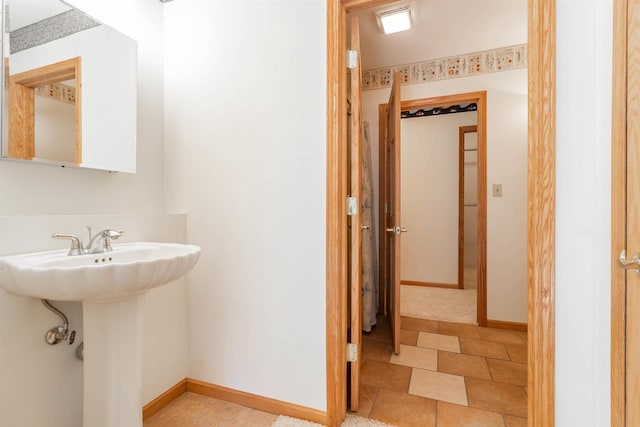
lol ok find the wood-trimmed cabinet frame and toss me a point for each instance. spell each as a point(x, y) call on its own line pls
point(541, 23)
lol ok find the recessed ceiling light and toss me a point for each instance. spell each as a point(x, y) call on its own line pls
point(395, 20)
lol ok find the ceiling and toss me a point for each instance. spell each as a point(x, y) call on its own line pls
point(25, 12)
point(443, 28)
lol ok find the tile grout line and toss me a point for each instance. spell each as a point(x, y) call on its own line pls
point(373, 403)
point(466, 391)
point(486, 360)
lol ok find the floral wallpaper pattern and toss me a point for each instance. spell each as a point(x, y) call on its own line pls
point(488, 61)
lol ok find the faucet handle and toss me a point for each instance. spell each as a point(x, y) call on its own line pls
point(76, 243)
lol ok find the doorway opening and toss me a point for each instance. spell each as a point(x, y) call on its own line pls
point(540, 201)
point(479, 100)
point(468, 207)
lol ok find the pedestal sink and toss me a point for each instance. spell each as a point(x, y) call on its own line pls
point(110, 286)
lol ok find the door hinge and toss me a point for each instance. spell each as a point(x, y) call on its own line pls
point(352, 206)
point(352, 352)
point(633, 263)
point(386, 208)
point(352, 59)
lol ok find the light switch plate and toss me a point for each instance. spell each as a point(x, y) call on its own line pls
point(497, 190)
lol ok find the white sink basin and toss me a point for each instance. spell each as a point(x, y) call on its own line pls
point(111, 287)
point(130, 269)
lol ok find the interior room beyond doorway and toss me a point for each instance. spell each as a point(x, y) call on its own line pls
point(440, 208)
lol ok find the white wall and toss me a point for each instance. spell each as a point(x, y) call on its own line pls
point(245, 157)
point(506, 165)
point(55, 126)
point(583, 220)
point(41, 385)
point(429, 189)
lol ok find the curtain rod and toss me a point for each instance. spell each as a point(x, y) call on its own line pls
point(438, 111)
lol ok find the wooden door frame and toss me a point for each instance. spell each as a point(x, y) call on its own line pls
point(541, 208)
point(336, 199)
point(541, 24)
point(480, 99)
point(462, 131)
point(22, 87)
point(355, 249)
point(618, 213)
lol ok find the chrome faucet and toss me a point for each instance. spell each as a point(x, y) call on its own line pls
point(99, 243)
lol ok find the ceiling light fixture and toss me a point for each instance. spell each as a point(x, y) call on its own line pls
point(395, 20)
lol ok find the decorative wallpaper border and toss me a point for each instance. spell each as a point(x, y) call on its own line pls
point(50, 29)
point(58, 92)
point(471, 64)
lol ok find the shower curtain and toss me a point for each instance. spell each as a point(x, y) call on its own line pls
point(370, 294)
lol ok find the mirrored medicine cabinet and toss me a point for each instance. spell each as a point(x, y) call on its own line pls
point(69, 95)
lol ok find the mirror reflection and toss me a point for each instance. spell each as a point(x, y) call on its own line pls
point(70, 88)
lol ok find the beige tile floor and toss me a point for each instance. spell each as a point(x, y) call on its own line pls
point(446, 375)
point(479, 378)
point(194, 410)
